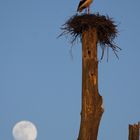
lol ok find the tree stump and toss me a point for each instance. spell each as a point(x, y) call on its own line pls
point(134, 131)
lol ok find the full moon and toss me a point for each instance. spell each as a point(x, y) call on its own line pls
point(24, 130)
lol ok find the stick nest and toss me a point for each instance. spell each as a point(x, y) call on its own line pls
point(105, 26)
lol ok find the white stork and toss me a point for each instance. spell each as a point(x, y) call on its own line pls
point(83, 4)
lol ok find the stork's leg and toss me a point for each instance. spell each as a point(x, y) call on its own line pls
point(88, 9)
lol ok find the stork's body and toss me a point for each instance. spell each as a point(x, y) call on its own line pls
point(83, 4)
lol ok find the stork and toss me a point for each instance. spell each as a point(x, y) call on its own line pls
point(84, 4)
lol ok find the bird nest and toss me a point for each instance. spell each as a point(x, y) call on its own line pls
point(105, 26)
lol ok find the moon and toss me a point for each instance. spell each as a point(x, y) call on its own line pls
point(24, 130)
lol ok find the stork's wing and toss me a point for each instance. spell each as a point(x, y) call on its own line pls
point(80, 3)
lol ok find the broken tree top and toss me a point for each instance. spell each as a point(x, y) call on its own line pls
point(104, 25)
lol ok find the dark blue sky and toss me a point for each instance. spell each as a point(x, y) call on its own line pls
point(40, 82)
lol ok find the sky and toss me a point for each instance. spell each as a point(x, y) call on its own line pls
point(41, 82)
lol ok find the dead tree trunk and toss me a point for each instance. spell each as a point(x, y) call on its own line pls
point(134, 131)
point(91, 100)
point(93, 28)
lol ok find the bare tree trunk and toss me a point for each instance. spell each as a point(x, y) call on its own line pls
point(134, 132)
point(91, 100)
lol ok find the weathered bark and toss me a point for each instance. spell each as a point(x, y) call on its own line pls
point(91, 100)
point(134, 132)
